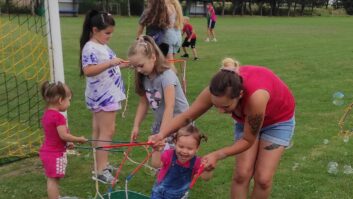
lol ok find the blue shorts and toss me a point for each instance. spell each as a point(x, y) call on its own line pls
point(280, 133)
point(172, 37)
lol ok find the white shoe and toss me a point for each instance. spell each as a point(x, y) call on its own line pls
point(207, 39)
point(214, 39)
point(106, 177)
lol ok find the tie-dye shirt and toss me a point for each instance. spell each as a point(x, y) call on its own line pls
point(105, 90)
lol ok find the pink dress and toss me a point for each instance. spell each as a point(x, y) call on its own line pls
point(52, 152)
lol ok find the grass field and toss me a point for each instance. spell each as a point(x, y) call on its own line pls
point(313, 55)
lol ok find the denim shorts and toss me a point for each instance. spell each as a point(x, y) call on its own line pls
point(172, 37)
point(279, 133)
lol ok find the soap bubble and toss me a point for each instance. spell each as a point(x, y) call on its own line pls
point(347, 169)
point(332, 167)
point(338, 98)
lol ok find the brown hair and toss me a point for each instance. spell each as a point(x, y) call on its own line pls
point(226, 83)
point(52, 92)
point(190, 130)
point(146, 46)
point(155, 14)
point(94, 18)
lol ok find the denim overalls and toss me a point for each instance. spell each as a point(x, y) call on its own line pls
point(175, 183)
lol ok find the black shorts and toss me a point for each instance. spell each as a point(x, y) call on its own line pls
point(186, 43)
point(211, 24)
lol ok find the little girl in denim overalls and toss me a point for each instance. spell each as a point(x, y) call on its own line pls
point(177, 166)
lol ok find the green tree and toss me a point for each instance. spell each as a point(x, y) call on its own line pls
point(348, 6)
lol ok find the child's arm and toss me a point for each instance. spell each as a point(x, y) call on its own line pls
point(95, 69)
point(156, 161)
point(169, 101)
point(67, 137)
point(139, 117)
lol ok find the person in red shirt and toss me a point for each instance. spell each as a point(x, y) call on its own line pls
point(190, 38)
point(263, 107)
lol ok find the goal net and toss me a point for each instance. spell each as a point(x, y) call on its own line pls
point(24, 64)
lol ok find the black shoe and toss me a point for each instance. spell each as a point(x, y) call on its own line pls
point(196, 58)
point(185, 55)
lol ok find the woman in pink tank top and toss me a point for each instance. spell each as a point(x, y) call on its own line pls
point(263, 108)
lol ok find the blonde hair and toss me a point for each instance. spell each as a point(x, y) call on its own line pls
point(146, 46)
point(179, 12)
point(227, 62)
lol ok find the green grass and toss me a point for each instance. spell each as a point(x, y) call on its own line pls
point(313, 55)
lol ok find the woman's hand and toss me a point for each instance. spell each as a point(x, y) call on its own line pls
point(210, 161)
point(156, 139)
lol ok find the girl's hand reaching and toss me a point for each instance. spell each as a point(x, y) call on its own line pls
point(70, 145)
point(134, 134)
point(82, 139)
point(118, 61)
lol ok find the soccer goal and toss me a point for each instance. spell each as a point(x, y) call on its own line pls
point(30, 53)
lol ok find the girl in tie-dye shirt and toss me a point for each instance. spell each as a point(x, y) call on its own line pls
point(104, 84)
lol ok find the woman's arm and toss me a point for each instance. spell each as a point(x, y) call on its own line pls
point(139, 117)
point(199, 107)
point(255, 113)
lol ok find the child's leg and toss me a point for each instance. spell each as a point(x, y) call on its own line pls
point(53, 188)
point(95, 131)
point(213, 33)
point(105, 122)
point(194, 52)
point(193, 47)
point(184, 49)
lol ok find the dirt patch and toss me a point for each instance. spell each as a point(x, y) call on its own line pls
point(22, 167)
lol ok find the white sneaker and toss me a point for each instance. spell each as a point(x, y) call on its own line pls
point(207, 39)
point(214, 39)
point(106, 177)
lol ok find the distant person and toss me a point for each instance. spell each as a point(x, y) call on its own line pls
point(155, 19)
point(157, 86)
point(57, 136)
point(104, 84)
point(211, 23)
point(190, 39)
point(178, 166)
point(263, 107)
point(172, 34)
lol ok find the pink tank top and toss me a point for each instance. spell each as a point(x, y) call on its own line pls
point(281, 104)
